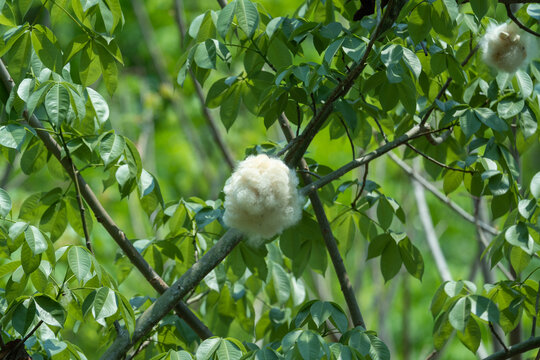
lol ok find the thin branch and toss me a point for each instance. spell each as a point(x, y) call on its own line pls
point(415, 132)
point(439, 195)
point(497, 337)
point(364, 179)
point(302, 142)
point(348, 136)
point(165, 303)
point(104, 218)
point(445, 86)
point(80, 203)
point(437, 162)
point(517, 22)
point(326, 231)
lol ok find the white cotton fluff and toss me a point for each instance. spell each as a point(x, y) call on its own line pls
point(503, 47)
point(261, 198)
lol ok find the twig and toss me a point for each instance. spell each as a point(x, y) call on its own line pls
point(348, 136)
point(497, 337)
point(75, 177)
point(165, 303)
point(439, 195)
point(517, 22)
point(302, 142)
point(364, 179)
point(415, 132)
point(326, 231)
point(103, 217)
point(435, 161)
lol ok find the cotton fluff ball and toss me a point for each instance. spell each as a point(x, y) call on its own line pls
point(503, 47)
point(261, 199)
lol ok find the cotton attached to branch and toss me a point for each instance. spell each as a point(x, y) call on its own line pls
point(261, 198)
point(503, 47)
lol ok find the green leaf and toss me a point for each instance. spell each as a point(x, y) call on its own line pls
point(111, 147)
point(385, 213)
point(79, 261)
point(484, 308)
point(525, 83)
point(472, 335)
point(230, 106)
point(23, 316)
point(35, 240)
point(12, 136)
point(519, 259)
point(452, 180)
point(490, 119)
point(282, 284)
point(411, 60)
point(90, 66)
point(377, 245)
point(225, 18)
point(518, 235)
point(99, 104)
point(460, 313)
point(535, 186)
point(50, 311)
point(390, 261)
point(228, 351)
point(5, 203)
point(54, 219)
point(247, 16)
point(109, 69)
point(29, 261)
point(452, 8)
point(20, 54)
point(208, 347)
point(419, 22)
point(206, 54)
point(378, 350)
point(480, 8)
point(47, 48)
point(104, 303)
point(412, 258)
point(279, 54)
point(308, 345)
point(57, 104)
point(527, 207)
point(438, 301)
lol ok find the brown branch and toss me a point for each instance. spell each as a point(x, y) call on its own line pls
point(435, 161)
point(364, 179)
point(80, 203)
point(326, 230)
point(348, 136)
point(104, 218)
point(165, 303)
point(302, 142)
point(517, 22)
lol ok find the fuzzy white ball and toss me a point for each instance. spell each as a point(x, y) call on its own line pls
point(261, 198)
point(503, 47)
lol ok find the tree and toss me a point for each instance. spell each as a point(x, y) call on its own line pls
point(345, 92)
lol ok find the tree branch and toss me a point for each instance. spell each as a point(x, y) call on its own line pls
point(165, 303)
point(77, 192)
point(302, 142)
point(103, 216)
point(517, 22)
point(439, 195)
point(524, 346)
point(413, 133)
point(437, 162)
